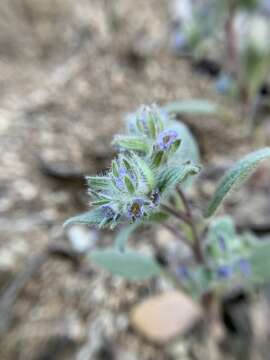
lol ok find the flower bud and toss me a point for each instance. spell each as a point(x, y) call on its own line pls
point(224, 272)
point(147, 121)
point(166, 139)
point(108, 212)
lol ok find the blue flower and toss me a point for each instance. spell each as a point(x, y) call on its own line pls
point(183, 273)
point(224, 84)
point(179, 42)
point(224, 272)
point(244, 267)
point(108, 212)
point(166, 138)
point(136, 209)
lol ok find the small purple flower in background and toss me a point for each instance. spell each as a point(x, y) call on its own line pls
point(224, 84)
point(244, 266)
point(108, 212)
point(178, 42)
point(166, 138)
point(224, 272)
point(136, 209)
point(183, 273)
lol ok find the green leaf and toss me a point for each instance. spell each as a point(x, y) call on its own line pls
point(123, 235)
point(129, 264)
point(260, 263)
point(134, 143)
point(174, 175)
point(236, 176)
point(196, 107)
point(92, 217)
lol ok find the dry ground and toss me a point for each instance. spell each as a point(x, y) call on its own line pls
point(69, 72)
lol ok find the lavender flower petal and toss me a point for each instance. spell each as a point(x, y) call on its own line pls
point(136, 209)
point(224, 272)
point(108, 212)
point(166, 138)
point(244, 267)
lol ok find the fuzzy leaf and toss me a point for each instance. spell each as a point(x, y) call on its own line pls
point(129, 264)
point(196, 107)
point(133, 143)
point(92, 217)
point(236, 176)
point(174, 175)
point(260, 264)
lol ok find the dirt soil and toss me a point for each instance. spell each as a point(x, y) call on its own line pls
point(69, 73)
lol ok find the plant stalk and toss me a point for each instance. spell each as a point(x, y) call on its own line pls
point(197, 249)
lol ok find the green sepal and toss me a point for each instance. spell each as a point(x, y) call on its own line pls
point(115, 169)
point(157, 158)
point(146, 172)
point(98, 182)
point(133, 143)
point(129, 185)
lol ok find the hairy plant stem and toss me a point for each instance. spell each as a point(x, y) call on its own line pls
point(230, 39)
point(176, 213)
point(197, 249)
point(178, 234)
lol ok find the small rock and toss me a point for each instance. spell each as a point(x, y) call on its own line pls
point(7, 266)
point(81, 238)
point(163, 317)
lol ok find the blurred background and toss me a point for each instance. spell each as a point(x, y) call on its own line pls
point(69, 73)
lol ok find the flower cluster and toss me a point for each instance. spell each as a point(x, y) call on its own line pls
point(143, 170)
point(227, 251)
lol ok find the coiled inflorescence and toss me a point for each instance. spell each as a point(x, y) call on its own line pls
point(136, 182)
